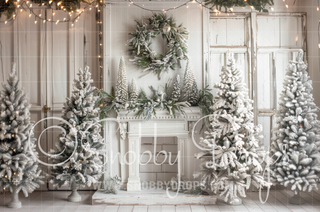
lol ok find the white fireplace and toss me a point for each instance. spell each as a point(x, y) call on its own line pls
point(133, 128)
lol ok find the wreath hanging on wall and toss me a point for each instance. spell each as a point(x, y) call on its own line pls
point(148, 59)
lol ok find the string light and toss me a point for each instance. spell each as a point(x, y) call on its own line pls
point(319, 34)
point(131, 3)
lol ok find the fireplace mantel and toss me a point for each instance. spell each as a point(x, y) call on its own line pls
point(193, 114)
point(133, 128)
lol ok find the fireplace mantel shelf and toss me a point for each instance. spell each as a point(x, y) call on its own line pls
point(193, 114)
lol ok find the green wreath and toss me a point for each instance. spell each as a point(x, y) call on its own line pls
point(148, 59)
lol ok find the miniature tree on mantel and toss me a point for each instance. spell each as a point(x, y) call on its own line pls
point(19, 168)
point(188, 82)
point(296, 141)
point(121, 95)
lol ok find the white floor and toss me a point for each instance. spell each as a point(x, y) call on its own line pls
point(55, 201)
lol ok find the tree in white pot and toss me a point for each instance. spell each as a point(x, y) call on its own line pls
point(80, 145)
point(19, 170)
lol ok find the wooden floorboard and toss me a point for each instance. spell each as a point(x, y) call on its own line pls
point(56, 201)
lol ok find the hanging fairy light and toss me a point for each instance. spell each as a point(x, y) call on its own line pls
point(96, 4)
point(24, 5)
point(319, 34)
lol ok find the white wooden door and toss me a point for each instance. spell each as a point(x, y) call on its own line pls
point(21, 43)
point(279, 39)
point(48, 55)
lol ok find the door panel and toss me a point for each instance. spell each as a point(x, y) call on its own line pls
point(47, 56)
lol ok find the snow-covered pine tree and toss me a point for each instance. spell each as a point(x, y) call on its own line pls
point(121, 95)
point(133, 91)
point(19, 168)
point(188, 82)
point(296, 140)
point(231, 159)
point(176, 89)
point(194, 95)
point(81, 145)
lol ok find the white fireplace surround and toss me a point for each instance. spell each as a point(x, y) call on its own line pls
point(133, 128)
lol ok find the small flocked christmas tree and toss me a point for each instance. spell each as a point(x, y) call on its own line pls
point(19, 168)
point(296, 138)
point(194, 95)
point(121, 95)
point(231, 160)
point(133, 91)
point(188, 82)
point(176, 90)
point(81, 145)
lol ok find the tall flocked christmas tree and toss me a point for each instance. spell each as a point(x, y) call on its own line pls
point(81, 145)
point(295, 146)
point(121, 95)
point(18, 157)
point(231, 158)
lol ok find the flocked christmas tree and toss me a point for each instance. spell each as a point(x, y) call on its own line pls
point(176, 89)
point(231, 159)
point(81, 145)
point(133, 91)
point(194, 95)
point(19, 169)
point(296, 138)
point(121, 95)
point(188, 82)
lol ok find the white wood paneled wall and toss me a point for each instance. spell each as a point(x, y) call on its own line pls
point(119, 21)
point(48, 57)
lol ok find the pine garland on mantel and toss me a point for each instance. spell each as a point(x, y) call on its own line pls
point(146, 106)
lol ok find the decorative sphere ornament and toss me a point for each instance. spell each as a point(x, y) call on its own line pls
point(226, 143)
point(166, 28)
